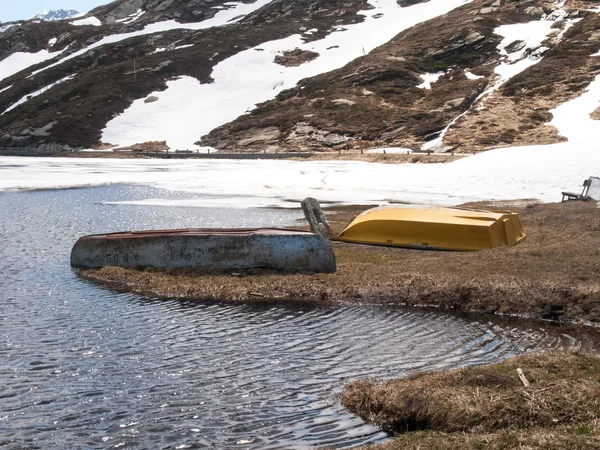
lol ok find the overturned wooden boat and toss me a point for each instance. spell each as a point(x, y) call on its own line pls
point(209, 248)
point(435, 228)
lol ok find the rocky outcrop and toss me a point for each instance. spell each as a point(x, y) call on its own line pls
point(153, 146)
point(295, 58)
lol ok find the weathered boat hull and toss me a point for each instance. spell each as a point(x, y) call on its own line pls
point(439, 228)
point(220, 249)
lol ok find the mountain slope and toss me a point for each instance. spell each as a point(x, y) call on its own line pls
point(437, 75)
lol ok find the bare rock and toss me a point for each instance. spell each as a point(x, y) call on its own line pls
point(407, 3)
point(260, 136)
point(124, 9)
point(295, 58)
point(535, 11)
point(152, 146)
point(151, 99)
point(455, 103)
point(303, 132)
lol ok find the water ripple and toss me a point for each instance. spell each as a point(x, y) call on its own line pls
point(84, 367)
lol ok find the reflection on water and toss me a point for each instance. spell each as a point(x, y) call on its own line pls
point(83, 367)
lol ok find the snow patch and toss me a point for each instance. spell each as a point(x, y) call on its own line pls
point(93, 21)
point(472, 76)
point(532, 34)
point(573, 121)
point(132, 17)
point(221, 18)
point(170, 49)
point(5, 89)
point(20, 61)
point(52, 41)
point(189, 110)
point(429, 78)
point(183, 46)
point(3, 28)
point(491, 175)
point(36, 93)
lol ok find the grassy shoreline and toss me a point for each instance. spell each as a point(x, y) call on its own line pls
point(551, 275)
point(488, 406)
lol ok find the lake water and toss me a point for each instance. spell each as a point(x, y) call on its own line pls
point(84, 367)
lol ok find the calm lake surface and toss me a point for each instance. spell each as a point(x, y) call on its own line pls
point(84, 367)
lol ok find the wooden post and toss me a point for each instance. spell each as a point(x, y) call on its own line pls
point(315, 217)
point(524, 380)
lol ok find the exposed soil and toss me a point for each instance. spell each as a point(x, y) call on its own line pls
point(488, 407)
point(551, 275)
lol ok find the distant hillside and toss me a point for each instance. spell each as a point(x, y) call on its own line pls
point(273, 75)
point(57, 14)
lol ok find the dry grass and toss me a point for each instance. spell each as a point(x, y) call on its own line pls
point(564, 390)
point(552, 274)
point(573, 437)
point(388, 158)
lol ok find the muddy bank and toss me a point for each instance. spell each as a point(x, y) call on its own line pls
point(552, 275)
point(555, 405)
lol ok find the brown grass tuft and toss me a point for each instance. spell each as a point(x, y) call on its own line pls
point(564, 390)
point(570, 437)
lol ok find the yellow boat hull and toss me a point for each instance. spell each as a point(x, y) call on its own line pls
point(439, 228)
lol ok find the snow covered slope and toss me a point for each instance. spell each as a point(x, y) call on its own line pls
point(188, 109)
point(57, 14)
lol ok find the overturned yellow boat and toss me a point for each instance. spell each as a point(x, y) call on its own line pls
point(435, 228)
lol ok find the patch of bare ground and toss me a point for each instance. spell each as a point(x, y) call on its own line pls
point(517, 113)
point(595, 114)
point(152, 146)
point(503, 122)
point(295, 58)
point(488, 407)
point(551, 275)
